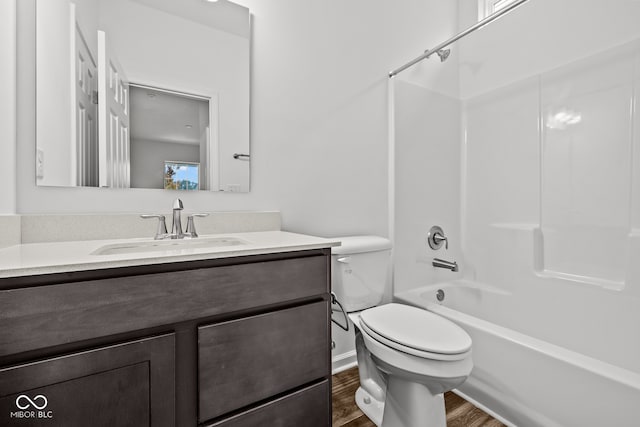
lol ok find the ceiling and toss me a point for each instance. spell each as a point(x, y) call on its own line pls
point(222, 15)
point(161, 116)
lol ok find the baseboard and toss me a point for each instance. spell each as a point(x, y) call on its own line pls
point(343, 361)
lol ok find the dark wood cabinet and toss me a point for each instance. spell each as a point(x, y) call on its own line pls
point(244, 361)
point(129, 384)
point(231, 342)
point(307, 407)
point(31, 316)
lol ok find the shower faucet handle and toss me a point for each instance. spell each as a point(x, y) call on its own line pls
point(436, 237)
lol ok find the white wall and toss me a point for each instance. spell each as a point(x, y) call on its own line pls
point(54, 103)
point(320, 102)
point(319, 116)
point(87, 16)
point(55, 106)
point(8, 106)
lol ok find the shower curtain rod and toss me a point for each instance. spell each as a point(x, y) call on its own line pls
point(485, 21)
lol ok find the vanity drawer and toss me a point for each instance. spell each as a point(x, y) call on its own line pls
point(45, 316)
point(244, 361)
point(308, 407)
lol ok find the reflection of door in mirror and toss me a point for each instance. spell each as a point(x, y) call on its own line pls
point(84, 128)
point(113, 93)
point(169, 126)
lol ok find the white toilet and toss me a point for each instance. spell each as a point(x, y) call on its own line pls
point(407, 357)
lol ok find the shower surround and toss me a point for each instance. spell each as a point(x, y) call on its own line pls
point(533, 170)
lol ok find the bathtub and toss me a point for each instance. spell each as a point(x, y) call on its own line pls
point(525, 380)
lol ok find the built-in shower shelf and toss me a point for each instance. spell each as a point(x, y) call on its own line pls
point(604, 283)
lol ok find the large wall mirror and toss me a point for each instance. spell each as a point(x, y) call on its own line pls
point(143, 94)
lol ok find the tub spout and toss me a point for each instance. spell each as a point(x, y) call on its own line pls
point(441, 263)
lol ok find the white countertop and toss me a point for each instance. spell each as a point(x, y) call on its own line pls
point(61, 257)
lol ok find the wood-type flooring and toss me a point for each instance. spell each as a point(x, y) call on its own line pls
point(460, 413)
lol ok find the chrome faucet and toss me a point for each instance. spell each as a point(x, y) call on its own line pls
point(441, 263)
point(176, 226)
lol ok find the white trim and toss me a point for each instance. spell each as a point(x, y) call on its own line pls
point(73, 141)
point(489, 7)
point(8, 106)
point(343, 361)
point(172, 91)
point(391, 178)
point(213, 141)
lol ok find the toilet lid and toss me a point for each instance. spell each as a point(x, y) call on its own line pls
point(416, 328)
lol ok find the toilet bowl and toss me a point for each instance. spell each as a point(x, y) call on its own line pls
point(423, 355)
point(407, 357)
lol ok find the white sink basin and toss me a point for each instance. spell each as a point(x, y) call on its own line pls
point(168, 245)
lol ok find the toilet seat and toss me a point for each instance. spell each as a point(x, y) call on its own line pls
point(417, 369)
point(415, 331)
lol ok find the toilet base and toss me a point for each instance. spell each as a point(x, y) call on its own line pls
point(371, 407)
point(411, 404)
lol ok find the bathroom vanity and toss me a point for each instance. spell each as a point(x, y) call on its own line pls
point(238, 337)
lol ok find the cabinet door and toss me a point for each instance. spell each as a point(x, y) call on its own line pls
point(129, 384)
point(308, 407)
point(244, 361)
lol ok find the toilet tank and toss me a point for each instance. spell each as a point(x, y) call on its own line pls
point(360, 271)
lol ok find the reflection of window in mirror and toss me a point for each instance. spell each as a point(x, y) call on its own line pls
point(170, 129)
point(181, 176)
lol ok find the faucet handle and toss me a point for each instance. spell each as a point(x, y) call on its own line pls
point(439, 238)
point(191, 227)
point(162, 225)
point(436, 237)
